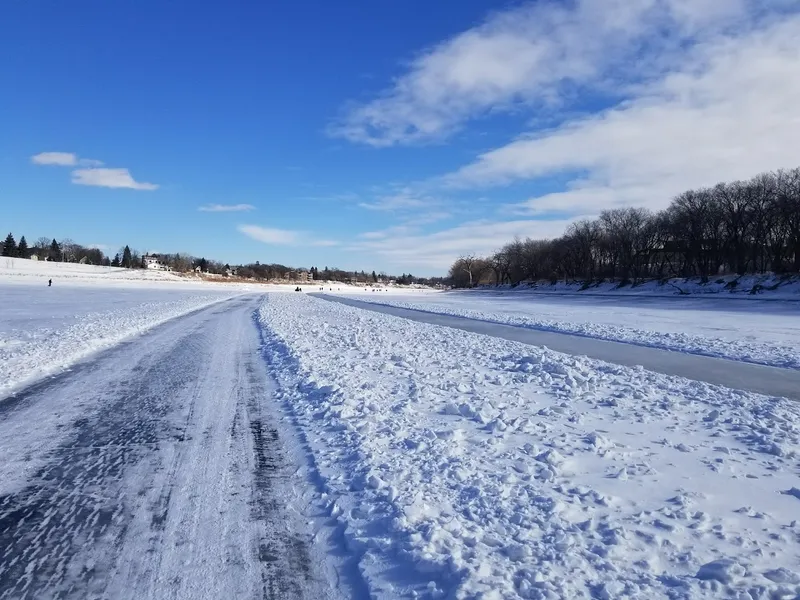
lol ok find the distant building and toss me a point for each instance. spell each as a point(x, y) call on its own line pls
point(151, 261)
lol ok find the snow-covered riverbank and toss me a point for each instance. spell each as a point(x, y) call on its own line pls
point(464, 466)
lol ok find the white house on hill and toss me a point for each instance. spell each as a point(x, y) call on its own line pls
point(150, 261)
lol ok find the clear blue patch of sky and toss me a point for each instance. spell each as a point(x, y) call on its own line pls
point(217, 103)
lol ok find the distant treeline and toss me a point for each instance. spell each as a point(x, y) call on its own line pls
point(741, 227)
point(68, 251)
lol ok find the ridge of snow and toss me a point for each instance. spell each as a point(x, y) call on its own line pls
point(773, 354)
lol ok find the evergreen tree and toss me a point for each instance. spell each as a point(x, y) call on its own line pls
point(127, 259)
point(55, 251)
point(374, 277)
point(116, 261)
point(10, 246)
point(22, 248)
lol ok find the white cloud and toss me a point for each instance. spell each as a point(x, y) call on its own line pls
point(534, 55)
point(111, 178)
point(324, 243)
point(270, 235)
point(226, 208)
point(90, 162)
point(92, 172)
point(729, 112)
point(103, 247)
point(60, 159)
point(435, 252)
point(404, 200)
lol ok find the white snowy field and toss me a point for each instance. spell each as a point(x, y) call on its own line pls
point(758, 331)
point(470, 467)
point(21, 270)
point(44, 330)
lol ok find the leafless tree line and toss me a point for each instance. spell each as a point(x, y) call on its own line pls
point(740, 227)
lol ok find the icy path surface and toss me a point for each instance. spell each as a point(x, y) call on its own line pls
point(44, 330)
point(771, 381)
point(762, 332)
point(469, 467)
point(155, 470)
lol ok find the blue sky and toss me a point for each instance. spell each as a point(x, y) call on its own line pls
point(387, 135)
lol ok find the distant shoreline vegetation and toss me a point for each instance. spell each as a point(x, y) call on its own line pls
point(743, 227)
point(47, 249)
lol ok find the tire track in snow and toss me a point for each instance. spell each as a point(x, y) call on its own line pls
point(170, 484)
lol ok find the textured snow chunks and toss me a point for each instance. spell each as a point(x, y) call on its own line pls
point(480, 468)
point(781, 352)
point(723, 570)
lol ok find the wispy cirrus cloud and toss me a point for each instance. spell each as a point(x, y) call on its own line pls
point(226, 208)
point(270, 235)
point(403, 200)
point(729, 112)
point(536, 55)
point(435, 252)
point(110, 178)
point(92, 171)
point(60, 159)
point(285, 237)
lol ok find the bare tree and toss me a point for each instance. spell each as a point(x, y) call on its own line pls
point(742, 227)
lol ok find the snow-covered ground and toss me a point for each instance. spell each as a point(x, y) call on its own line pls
point(469, 467)
point(18, 269)
point(46, 329)
point(763, 332)
point(725, 286)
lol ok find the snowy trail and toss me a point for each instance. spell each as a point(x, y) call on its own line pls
point(761, 379)
point(155, 470)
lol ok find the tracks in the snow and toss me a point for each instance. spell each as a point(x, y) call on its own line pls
point(167, 480)
point(771, 381)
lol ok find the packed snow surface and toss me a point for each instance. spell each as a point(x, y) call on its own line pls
point(160, 469)
point(470, 467)
point(763, 332)
point(46, 329)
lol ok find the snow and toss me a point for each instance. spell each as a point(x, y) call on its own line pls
point(754, 331)
point(470, 467)
point(742, 287)
point(160, 469)
point(21, 269)
point(44, 330)
point(450, 464)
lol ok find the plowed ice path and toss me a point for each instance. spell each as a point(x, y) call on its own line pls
point(167, 479)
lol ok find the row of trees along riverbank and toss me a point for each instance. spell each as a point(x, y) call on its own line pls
point(740, 227)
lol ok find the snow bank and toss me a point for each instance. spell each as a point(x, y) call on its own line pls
point(732, 286)
point(747, 349)
point(24, 269)
point(468, 467)
point(42, 342)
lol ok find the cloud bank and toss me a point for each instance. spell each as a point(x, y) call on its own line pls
point(92, 171)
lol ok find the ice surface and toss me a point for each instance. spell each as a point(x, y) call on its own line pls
point(758, 331)
point(46, 329)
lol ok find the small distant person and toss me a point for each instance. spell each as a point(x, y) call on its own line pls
point(50, 283)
